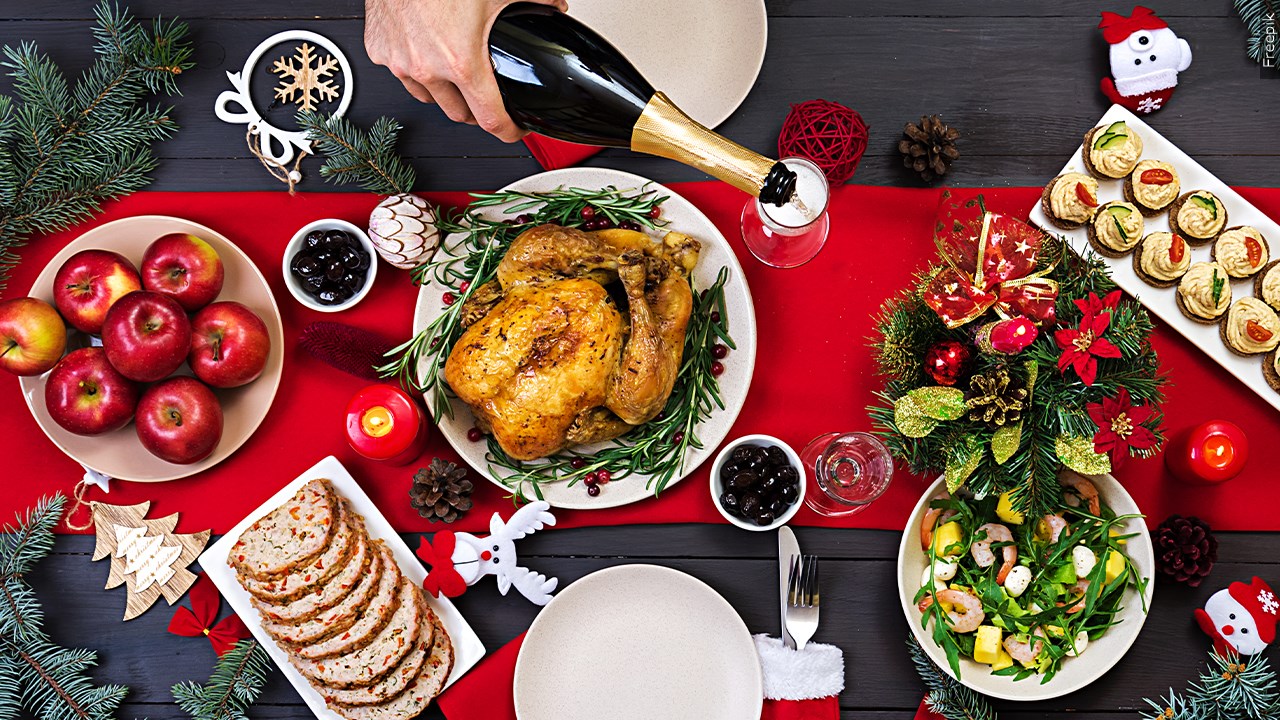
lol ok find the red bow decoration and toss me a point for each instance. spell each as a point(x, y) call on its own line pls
point(442, 577)
point(199, 619)
point(991, 264)
point(1116, 28)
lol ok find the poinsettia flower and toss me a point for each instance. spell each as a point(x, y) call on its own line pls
point(1082, 346)
point(1092, 306)
point(1120, 427)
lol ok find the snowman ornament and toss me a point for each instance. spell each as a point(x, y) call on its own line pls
point(1146, 57)
point(458, 560)
point(1240, 619)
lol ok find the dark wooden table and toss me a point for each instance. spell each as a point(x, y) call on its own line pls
point(1020, 81)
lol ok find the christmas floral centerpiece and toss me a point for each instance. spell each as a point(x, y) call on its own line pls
point(1011, 357)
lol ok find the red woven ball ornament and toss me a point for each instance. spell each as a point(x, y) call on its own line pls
point(827, 133)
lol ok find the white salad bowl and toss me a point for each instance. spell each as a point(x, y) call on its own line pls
point(1100, 656)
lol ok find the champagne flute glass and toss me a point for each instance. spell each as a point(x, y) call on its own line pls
point(790, 235)
point(847, 472)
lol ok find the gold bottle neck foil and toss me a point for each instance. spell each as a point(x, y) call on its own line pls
point(664, 130)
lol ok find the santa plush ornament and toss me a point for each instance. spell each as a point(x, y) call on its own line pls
point(1241, 619)
point(1146, 57)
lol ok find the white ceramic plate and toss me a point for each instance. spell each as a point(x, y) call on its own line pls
point(120, 454)
point(637, 642)
point(723, 39)
point(739, 366)
point(1161, 301)
point(467, 648)
point(1101, 655)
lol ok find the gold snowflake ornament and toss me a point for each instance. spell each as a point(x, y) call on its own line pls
point(309, 81)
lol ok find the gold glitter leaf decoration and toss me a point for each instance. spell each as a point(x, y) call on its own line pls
point(1004, 443)
point(939, 403)
point(960, 468)
point(910, 419)
point(1077, 453)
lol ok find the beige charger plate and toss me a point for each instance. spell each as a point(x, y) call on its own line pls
point(704, 54)
point(119, 454)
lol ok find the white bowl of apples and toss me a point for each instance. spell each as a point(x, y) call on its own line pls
point(176, 348)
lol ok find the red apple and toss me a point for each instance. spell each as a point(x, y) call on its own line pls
point(179, 420)
point(89, 283)
point(86, 396)
point(146, 336)
point(229, 345)
point(32, 336)
point(184, 267)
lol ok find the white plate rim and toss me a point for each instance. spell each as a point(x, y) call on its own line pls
point(532, 634)
point(742, 360)
point(467, 648)
point(273, 373)
point(1030, 689)
point(1161, 301)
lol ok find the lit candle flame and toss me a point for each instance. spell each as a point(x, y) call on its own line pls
point(376, 421)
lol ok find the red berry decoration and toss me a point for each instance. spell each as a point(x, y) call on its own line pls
point(448, 298)
point(945, 362)
point(719, 351)
point(717, 368)
point(827, 133)
point(577, 463)
point(465, 286)
point(1185, 549)
point(589, 478)
point(593, 490)
point(603, 477)
point(655, 212)
point(474, 435)
point(588, 212)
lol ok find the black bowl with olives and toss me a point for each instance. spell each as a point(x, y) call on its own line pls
point(757, 482)
point(329, 265)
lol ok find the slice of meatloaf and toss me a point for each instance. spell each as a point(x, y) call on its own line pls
point(410, 703)
point(369, 664)
point(289, 536)
point(395, 681)
point(348, 578)
point(369, 621)
point(314, 574)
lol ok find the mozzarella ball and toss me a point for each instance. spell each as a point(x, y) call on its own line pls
point(938, 583)
point(1017, 581)
point(1082, 642)
point(1084, 559)
point(944, 569)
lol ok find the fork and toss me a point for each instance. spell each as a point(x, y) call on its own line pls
point(803, 599)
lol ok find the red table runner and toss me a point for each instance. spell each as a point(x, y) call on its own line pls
point(813, 374)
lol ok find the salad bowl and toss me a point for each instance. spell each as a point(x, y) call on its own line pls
point(1102, 653)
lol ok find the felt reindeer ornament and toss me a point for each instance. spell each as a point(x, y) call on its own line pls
point(458, 560)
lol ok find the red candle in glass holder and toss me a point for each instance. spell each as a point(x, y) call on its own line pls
point(1213, 452)
point(384, 423)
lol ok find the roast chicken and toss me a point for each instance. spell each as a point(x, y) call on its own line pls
point(578, 339)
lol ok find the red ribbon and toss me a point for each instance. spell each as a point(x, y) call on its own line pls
point(991, 264)
point(442, 576)
point(199, 619)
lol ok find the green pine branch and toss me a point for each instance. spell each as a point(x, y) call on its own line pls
point(37, 676)
point(235, 684)
point(946, 696)
point(1261, 17)
point(1230, 688)
point(367, 158)
point(65, 147)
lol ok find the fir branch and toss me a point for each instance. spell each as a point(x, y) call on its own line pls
point(367, 158)
point(235, 684)
point(1231, 688)
point(1260, 18)
point(946, 696)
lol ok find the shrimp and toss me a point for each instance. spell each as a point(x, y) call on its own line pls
point(1054, 525)
point(932, 517)
point(1083, 489)
point(1024, 652)
point(1082, 587)
point(970, 614)
point(981, 549)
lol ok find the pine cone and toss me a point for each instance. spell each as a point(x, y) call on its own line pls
point(1185, 549)
point(929, 148)
point(441, 492)
point(996, 398)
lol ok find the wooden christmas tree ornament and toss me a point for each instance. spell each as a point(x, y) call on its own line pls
point(146, 555)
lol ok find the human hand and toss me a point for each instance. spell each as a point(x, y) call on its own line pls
point(439, 50)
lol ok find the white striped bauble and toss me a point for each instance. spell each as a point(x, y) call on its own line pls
point(403, 229)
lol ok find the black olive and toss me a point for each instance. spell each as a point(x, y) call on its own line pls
point(307, 267)
point(776, 455)
point(314, 283)
point(743, 480)
point(365, 260)
point(328, 297)
point(764, 518)
point(768, 483)
point(777, 506)
point(760, 455)
point(750, 503)
point(742, 452)
point(729, 501)
point(731, 468)
point(313, 239)
point(353, 281)
point(790, 493)
point(790, 474)
point(336, 239)
point(335, 271)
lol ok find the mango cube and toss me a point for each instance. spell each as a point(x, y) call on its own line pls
point(986, 647)
point(1116, 533)
point(1003, 661)
point(1115, 565)
point(946, 536)
point(1005, 510)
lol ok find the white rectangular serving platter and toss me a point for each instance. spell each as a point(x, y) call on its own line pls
point(1161, 301)
point(467, 647)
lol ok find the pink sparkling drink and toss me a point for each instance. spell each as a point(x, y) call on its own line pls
point(790, 235)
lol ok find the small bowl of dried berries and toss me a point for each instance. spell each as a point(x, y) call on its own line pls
point(757, 482)
point(329, 265)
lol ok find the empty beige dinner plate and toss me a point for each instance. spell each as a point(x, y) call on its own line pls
point(638, 642)
point(119, 454)
point(704, 54)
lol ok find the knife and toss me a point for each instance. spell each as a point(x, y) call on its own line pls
point(787, 549)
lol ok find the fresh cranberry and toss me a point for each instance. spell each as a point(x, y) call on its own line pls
point(719, 351)
point(605, 223)
point(603, 477)
point(593, 490)
point(588, 212)
point(590, 478)
point(465, 286)
point(591, 225)
point(524, 219)
point(629, 225)
point(655, 212)
point(717, 368)
point(448, 298)
point(715, 316)
point(678, 437)
point(474, 434)
point(577, 463)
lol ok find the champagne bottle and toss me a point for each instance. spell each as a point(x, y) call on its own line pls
point(561, 79)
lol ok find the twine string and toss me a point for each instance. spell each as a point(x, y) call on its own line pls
point(283, 173)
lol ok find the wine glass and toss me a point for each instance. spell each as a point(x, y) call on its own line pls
point(790, 235)
point(847, 472)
